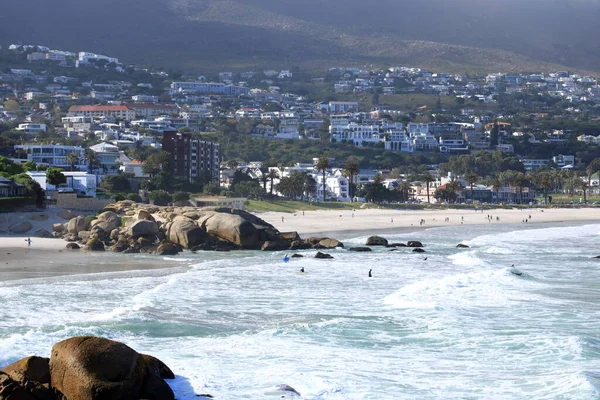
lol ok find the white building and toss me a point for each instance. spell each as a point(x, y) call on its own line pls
point(32, 128)
point(336, 187)
point(53, 155)
point(81, 183)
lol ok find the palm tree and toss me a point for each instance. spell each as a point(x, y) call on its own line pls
point(583, 185)
point(72, 159)
point(264, 178)
point(453, 185)
point(471, 178)
point(323, 165)
point(92, 160)
point(497, 185)
point(352, 168)
point(272, 175)
point(427, 178)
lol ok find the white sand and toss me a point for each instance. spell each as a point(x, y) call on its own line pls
point(373, 220)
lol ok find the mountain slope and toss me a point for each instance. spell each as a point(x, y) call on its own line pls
point(485, 35)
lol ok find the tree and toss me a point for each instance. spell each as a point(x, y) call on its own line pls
point(181, 196)
point(309, 186)
point(471, 178)
point(445, 194)
point(272, 175)
point(115, 184)
point(92, 160)
point(157, 162)
point(592, 168)
point(323, 165)
point(583, 185)
point(160, 197)
point(496, 186)
point(55, 177)
point(427, 178)
point(351, 169)
point(494, 134)
point(34, 190)
point(29, 166)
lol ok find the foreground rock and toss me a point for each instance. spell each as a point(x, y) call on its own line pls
point(91, 368)
point(462, 246)
point(87, 368)
point(376, 241)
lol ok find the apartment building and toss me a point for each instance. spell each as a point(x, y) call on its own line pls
point(193, 158)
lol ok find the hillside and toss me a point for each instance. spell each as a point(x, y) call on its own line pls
point(461, 35)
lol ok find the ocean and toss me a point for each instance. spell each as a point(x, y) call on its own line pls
point(459, 325)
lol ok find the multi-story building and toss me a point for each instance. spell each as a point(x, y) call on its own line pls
point(114, 112)
point(209, 87)
point(52, 155)
point(531, 164)
point(193, 158)
point(151, 110)
point(32, 128)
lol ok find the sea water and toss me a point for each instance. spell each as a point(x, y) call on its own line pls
point(459, 325)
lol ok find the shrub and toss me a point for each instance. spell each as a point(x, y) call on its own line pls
point(181, 196)
point(15, 203)
point(160, 197)
point(134, 197)
point(119, 197)
point(90, 218)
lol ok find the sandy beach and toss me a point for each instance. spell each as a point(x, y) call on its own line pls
point(384, 220)
point(48, 257)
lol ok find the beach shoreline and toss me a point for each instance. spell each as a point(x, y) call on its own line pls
point(47, 257)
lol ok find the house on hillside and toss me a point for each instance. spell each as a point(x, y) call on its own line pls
point(9, 188)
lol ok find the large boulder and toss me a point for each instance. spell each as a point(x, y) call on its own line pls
point(39, 217)
point(290, 236)
point(323, 255)
point(60, 228)
point(10, 389)
point(167, 249)
point(67, 215)
point(360, 249)
point(300, 245)
point(232, 228)
point(108, 221)
point(94, 244)
point(143, 228)
point(33, 375)
point(462, 246)
point(91, 368)
point(185, 232)
point(72, 246)
point(414, 243)
point(376, 241)
point(143, 215)
point(21, 227)
point(329, 244)
point(77, 225)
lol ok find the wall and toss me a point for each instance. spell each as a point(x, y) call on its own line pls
point(70, 201)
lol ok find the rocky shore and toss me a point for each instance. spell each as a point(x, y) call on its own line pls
point(128, 227)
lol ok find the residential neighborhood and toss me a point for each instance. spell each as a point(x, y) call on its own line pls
point(93, 117)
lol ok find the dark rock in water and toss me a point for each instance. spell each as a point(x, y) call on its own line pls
point(297, 256)
point(323, 255)
point(73, 246)
point(94, 244)
point(300, 245)
point(394, 250)
point(597, 257)
point(168, 249)
point(360, 249)
point(287, 388)
point(98, 369)
point(396, 245)
point(207, 396)
point(414, 243)
point(462, 246)
point(222, 249)
point(376, 241)
point(148, 249)
point(10, 389)
point(418, 250)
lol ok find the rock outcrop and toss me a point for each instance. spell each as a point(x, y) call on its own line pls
point(376, 241)
point(360, 249)
point(91, 368)
point(414, 243)
point(323, 255)
point(462, 246)
point(185, 232)
point(21, 227)
point(77, 225)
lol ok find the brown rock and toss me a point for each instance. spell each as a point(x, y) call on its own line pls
point(274, 246)
point(42, 233)
point(168, 249)
point(67, 215)
point(77, 225)
point(11, 390)
point(91, 368)
point(414, 243)
point(360, 249)
point(143, 228)
point(33, 375)
point(234, 229)
point(21, 227)
point(94, 244)
point(323, 255)
point(143, 215)
point(58, 228)
point(300, 245)
point(72, 246)
point(330, 244)
point(418, 250)
point(291, 236)
point(185, 232)
point(376, 241)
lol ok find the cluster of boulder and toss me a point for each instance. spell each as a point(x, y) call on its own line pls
point(128, 227)
point(87, 368)
point(383, 242)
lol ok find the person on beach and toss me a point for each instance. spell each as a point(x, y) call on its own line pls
point(281, 219)
point(28, 240)
point(392, 220)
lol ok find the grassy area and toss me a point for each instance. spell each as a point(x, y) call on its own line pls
point(563, 198)
point(293, 206)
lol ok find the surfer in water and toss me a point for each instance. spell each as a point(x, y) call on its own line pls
point(302, 270)
point(370, 274)
point(286, 258)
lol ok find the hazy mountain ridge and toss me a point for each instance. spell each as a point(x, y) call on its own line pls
point(462, 34)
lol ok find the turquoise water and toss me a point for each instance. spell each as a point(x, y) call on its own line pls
point(458, 325)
